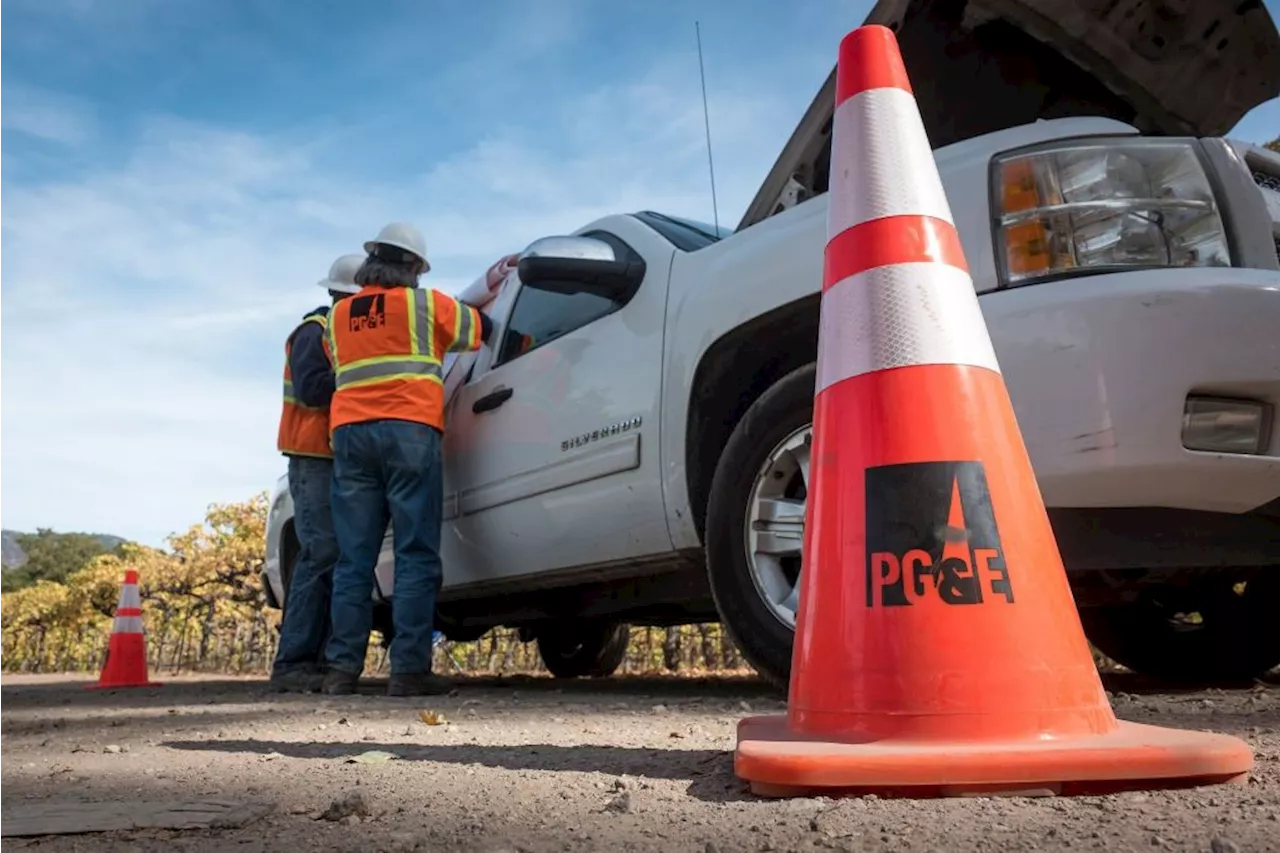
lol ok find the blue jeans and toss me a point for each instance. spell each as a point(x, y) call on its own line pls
point(305, 626)
point(386, 469)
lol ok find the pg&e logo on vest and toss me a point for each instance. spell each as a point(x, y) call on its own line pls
point(368, 312)
point(931, 533)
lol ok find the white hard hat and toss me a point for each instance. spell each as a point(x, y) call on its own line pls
point(342, 275)
point(403, 236)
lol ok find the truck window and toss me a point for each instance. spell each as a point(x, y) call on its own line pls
point(540, 316)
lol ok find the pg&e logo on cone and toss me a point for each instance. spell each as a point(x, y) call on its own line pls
point(931, 533)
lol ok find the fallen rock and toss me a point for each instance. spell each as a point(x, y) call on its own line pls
point(620, 804)
point(351, 803)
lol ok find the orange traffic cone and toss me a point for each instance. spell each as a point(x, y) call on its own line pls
point(938, 649)
point(126, 663)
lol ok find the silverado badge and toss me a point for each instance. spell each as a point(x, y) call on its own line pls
point(597, 434)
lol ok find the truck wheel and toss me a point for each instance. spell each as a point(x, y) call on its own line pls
point(755, 523)
point(1218, 630)
point(589, 649)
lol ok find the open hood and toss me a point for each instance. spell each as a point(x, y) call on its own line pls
point(1168, 67)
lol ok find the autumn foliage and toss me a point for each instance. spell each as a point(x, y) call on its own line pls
point(204, 611)
point(203, 607)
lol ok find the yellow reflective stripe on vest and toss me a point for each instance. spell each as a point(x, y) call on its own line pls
point(385, 368)
point(291, 398)
point(422, 322)
point(333, 343)
point(462, 327)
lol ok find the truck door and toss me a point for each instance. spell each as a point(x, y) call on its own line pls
point(552, 444)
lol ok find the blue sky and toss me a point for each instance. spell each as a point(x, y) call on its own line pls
point(178, 174)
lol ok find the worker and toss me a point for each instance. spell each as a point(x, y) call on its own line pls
point(388, 344)
point(304, 440)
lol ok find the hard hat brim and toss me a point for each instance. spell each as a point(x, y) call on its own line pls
point(370, 245)
point(339, 286)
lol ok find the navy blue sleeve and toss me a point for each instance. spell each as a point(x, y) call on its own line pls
point(312, 373)
point(486, 326)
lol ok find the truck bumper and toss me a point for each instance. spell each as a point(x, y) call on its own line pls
point(1100, 368)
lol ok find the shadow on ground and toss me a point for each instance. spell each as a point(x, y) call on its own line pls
point(709, 771)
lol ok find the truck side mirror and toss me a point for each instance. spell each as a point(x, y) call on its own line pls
point(579, 265)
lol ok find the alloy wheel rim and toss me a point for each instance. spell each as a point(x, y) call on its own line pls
point(774, 529)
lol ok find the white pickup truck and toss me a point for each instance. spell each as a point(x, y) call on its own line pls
point(645, 460)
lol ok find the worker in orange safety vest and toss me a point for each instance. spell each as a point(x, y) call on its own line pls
point(388, 343)
point(303, 438)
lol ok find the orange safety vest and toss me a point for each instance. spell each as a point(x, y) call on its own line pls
point(304, 430)
point(388, 345)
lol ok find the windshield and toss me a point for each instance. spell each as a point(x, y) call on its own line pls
point(688, 234)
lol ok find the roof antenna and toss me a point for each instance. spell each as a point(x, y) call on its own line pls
point(706, 119)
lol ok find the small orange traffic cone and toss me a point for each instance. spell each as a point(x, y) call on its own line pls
point(126, 663)
point(938, 649)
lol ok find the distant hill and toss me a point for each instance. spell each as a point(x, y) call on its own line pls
point(12, 555)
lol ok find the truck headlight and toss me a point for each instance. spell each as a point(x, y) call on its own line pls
point(1093, 205)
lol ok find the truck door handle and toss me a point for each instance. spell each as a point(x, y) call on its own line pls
point(491, 401)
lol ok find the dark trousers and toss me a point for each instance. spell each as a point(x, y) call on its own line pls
point(386, 469)
point(305, 626)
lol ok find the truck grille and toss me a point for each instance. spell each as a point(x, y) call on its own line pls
point(1267, 182)
point(1270, 186)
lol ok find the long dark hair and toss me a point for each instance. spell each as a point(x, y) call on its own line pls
point(389, 267)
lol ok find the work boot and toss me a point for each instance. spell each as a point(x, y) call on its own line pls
point(339, 683)
point(297, 681)
point(417, 684)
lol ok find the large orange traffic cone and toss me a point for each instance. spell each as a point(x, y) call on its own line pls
point(126, 663)
point(938, 649)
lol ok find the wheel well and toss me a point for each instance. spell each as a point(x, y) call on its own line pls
point(733, 372)
point(289, 546)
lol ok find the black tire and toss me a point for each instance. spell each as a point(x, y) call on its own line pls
point(765, 641)
point(584, 649)
point(1236, 639)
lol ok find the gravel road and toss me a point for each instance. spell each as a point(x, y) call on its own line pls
point(530, 764)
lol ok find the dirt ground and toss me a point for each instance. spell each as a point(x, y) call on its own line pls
point(529, 764)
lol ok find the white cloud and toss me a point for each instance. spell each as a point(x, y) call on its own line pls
point(618, 149)
point(46, 115)
point(148, 302)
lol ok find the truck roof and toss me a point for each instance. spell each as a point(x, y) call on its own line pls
point(1173, 67)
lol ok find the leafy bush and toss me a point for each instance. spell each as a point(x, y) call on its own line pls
point(204, 611)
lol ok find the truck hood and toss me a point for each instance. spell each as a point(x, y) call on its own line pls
point(1192, 67)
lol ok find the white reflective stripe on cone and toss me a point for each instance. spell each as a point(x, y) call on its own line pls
point(127, 625)
point(129, 597)
point(881, 162)
point(900, 316)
